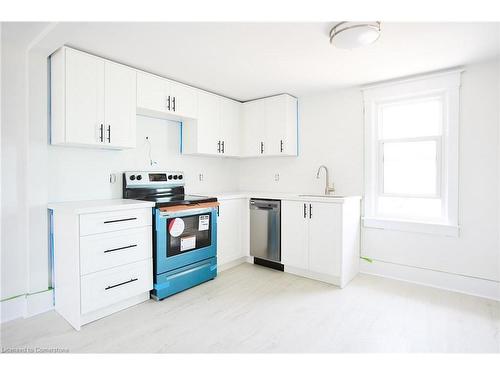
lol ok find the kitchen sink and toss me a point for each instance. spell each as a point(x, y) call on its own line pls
point(321, 196)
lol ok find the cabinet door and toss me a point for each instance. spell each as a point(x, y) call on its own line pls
point(151, 92)
point(120, 105)
point(325, 231)
point(84, 98)
point(275, 120)
point(294, 234)
point(281, 125)
point(290, 134)
point(229, 230)
point(208, 126)
point(253, 128)
point(184, 100)
point(230, 127)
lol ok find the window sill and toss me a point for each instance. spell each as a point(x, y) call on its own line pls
point(411, 226)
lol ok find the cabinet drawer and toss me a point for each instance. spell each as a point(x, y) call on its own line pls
point(104, 288)
point(114, 220)
point(107, 250)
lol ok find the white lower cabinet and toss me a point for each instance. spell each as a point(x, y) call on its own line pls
point(232, 230)
point(103, 261)
point(294, 234)
point(321, 240)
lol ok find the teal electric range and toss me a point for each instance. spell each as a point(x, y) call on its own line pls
point(185, 240)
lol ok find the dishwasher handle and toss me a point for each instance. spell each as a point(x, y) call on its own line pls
point(269, 205)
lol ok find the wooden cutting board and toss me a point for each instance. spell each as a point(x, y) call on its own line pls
point(183, 207)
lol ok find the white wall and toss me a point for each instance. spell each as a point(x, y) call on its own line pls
point(80, 173)
point(13, 161)
point(331, 133)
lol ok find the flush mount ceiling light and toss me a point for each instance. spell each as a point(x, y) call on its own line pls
point(348, 35)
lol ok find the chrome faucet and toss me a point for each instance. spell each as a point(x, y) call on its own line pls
point(329, 189)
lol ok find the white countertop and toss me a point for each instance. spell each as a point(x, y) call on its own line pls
point(91, 206)
point(281, 196)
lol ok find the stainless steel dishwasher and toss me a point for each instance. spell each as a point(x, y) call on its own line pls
point(265, 232)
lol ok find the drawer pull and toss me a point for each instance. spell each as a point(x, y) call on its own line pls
point(118, 220)
point(125, 282)
point(119, 248)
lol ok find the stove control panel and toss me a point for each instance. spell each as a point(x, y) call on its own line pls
point(150, 178)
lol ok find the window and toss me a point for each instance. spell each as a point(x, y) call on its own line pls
point(411, 159)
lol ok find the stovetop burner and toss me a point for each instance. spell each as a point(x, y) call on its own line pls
point(163, 188)
point(163, 201)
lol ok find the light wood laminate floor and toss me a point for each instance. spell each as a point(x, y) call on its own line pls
point(254, 309)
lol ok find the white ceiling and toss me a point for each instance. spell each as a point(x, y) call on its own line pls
point(250, 60)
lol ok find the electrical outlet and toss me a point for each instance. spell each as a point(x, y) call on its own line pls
point(277, 177)
point(200, 177)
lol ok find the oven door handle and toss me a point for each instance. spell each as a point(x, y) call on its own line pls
point(186, 212)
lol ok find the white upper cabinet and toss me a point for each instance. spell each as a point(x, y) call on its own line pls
point(253, 127)
point(184, 100)
point(229, 131)
point(119, 105)
point(92, 101)
point(77, 84)
point(152, 93)
point(281, 125)
point(216, 131)
point(270, 126)
point(163, 98)
point(208, 124)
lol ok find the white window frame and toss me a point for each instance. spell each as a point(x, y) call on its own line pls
point(445, 85)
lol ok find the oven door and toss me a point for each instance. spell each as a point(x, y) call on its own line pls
point(184, 237)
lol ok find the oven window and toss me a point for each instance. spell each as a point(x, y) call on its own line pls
point(188, 233)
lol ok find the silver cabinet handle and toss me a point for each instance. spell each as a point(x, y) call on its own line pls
point(223, 148)
point(173, 103)
point(168, 102)
point(218, 147)
point(305, 211)
point(109, 133)
point(310, 211)
point(281, 146)
point(261, 147)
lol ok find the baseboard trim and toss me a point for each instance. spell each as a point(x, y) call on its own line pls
point(26, 305)
point(437, 279)
point(314, 275)
point(122, 305)
point(233, 263)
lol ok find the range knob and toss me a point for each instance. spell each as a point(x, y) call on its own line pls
point(175, 177)
point(132, 177)
point(181, 177)
point(169, 176)
point(139, 177)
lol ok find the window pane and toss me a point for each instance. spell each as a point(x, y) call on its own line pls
point(410, 208)
point(410, 168)
point(411, 119)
